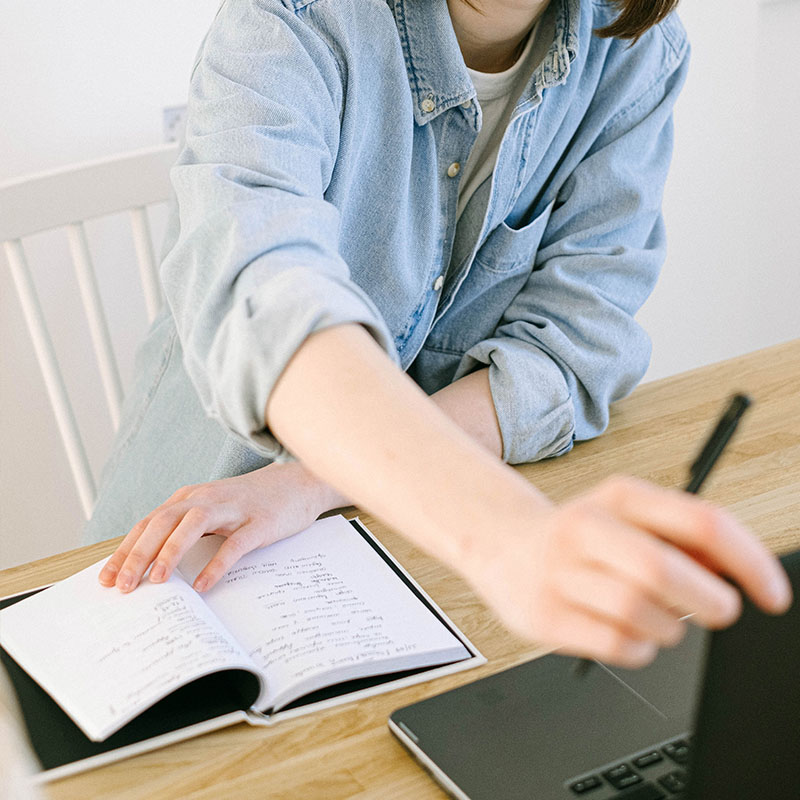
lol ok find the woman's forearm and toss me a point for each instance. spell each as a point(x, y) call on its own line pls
point(468, 402)
point(366, 429)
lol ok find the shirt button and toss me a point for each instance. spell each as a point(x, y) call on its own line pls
point(453, 169)
point(466, 104)
point(428, 105)
point(438, 283)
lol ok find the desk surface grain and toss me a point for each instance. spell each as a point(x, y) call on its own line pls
point(348, 752)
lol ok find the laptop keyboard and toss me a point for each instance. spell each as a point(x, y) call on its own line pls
point(656, 774)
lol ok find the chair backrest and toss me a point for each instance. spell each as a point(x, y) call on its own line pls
point(66, 198)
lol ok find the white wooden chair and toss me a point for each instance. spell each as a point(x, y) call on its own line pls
point(66, 198)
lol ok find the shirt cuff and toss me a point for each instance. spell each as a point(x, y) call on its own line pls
point(261, 333)
point(530, 395)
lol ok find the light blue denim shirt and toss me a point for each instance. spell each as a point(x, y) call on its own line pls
point(313, 190)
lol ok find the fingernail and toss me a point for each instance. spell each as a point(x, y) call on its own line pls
point(732, 608)
point(781, 593)
point(108, 573)
point(124, 581)
point(642, 653)
point(201, 584)
point(157, 573)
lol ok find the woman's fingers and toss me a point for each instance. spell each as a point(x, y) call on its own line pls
point(108, 575)
point(673, 578)
point(195, 522)
point(144, 550)
point(622, 604)
point(277, 500)
point(248, 537)
point(171, 531)
point(712, 534)
point(582, 633)
point(238, 544)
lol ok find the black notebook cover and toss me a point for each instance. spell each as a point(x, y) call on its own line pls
point(57, 741)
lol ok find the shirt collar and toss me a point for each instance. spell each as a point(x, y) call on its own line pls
point(437, 74)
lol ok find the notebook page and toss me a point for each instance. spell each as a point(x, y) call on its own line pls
point(322, 603)
point(105, 656)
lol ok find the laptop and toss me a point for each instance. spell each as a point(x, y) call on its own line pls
point(715, 718)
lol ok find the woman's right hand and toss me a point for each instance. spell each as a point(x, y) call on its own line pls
point(250, 510)
point(610, 574)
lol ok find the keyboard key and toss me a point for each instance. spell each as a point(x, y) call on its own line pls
point(622, 776)
point(646, 760)
point(674, 781)
point(678, 751)
point(645, 791)
point(586, 784)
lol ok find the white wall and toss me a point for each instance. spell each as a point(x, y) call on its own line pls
point(731, 282)
point(82, 80)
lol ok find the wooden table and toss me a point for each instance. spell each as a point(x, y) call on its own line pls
point(348, 752)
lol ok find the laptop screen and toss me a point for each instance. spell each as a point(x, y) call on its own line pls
point(747, 726)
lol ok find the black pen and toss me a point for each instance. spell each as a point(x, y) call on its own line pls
point(703, 465)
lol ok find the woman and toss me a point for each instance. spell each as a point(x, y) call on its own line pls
point(405, 283)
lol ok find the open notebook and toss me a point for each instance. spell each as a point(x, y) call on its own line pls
point(317, 619)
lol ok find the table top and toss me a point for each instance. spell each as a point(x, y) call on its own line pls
point(348, 751)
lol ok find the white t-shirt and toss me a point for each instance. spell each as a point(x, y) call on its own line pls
point(497, 94)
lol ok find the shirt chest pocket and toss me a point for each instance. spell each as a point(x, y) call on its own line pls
point(506, 249)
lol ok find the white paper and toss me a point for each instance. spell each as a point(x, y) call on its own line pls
point(321, 607)
point(105, 656)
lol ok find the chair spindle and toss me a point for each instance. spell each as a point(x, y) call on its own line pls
point(53, 380)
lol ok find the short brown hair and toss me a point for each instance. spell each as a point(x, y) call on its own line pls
point(636, 17)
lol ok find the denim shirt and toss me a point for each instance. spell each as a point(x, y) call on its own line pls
point(313, 190)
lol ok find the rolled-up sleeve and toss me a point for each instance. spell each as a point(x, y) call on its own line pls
point(568, 345)
point(255, 268)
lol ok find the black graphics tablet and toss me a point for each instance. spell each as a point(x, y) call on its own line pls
point(718, 716)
